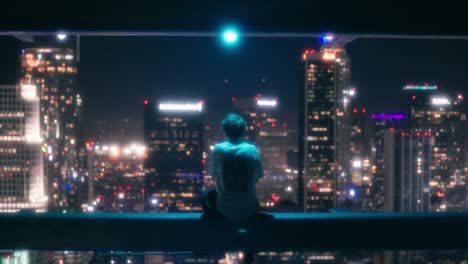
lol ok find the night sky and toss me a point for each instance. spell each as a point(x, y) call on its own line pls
point(117, 73)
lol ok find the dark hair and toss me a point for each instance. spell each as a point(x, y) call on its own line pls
point(233, 126)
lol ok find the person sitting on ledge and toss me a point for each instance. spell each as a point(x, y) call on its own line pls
point(236, 167)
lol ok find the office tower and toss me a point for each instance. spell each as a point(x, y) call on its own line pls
point(258, 112)
point(408, 159)
point(356, 183)
point(381, 123)
point(174, 165)
point(435, 111)
point(22, 183)
point(326, 133)
point(271, 138)
point(54, 72)
point(275, 187)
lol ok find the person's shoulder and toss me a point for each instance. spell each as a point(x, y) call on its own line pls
point(221, 146)
point(249, 147)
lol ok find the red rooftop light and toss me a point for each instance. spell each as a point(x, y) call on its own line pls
point(364, 110)
point(145, 102)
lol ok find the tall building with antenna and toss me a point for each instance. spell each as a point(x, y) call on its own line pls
point(325, 131)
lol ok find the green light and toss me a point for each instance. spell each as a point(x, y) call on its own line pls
point(420, 87)
point(230, 36)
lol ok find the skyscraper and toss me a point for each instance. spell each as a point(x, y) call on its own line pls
point(54, 72)
point(21, 173)
point(271, 137)
point(174, 164)
point(258, 112)
point(381, 123)
point(407, 170)
point(436, 112)
point(326, 153)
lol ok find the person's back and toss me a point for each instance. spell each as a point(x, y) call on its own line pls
point(236, 167)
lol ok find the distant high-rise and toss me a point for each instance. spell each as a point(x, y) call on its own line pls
point(407, 170)
point(22, 183)
point(271, 137)
point(326, 133)
point(381, 123)
point(258, 112)
point(358, 183)
point(442, 115)
point(174, 165)
point(54, 72)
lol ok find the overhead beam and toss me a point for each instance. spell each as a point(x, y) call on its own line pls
point(24, 37)
point(343, 36)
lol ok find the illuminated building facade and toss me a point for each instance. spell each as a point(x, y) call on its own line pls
point(408, 159)
point(54, 72)
point(258, 112)
point(174, 164)
point(381, 123)
point(271, 137)
point(117, 178)
point(326, 132)
point(442, 116)
point(22, 183)
point(355, 181)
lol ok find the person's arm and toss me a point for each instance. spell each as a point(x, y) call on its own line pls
point(212, 165)
point(258, 167)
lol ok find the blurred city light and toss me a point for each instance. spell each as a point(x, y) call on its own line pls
point(327, 38)
point(357, 164)
point(440, 101)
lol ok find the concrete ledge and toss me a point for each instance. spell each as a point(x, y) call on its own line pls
point(186, 232)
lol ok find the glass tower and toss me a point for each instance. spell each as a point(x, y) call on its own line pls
point(173, 133)
point(54, 72)
point(21, 170)
point(326, 133)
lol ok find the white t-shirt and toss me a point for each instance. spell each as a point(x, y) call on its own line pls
point(236, 167)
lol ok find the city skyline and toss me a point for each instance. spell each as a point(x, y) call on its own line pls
point(356, 156)
point(114, 90)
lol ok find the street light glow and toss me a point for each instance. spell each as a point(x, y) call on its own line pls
point(230, 36)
